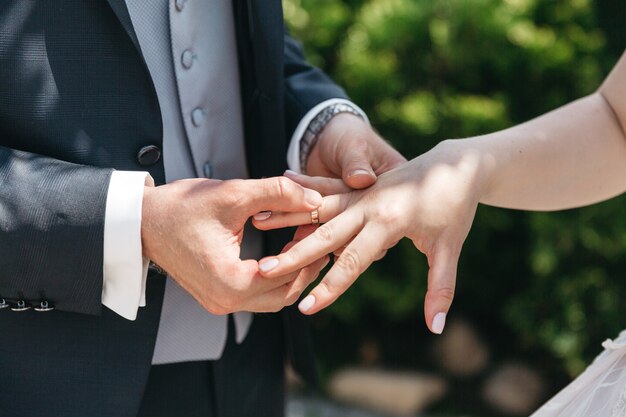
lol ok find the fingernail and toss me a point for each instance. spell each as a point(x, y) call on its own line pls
point(268, 264)
point(290, 172)
point(439, 322)
point(262, 215)
point(306, 304)
point(312, 197)
point(359, 172)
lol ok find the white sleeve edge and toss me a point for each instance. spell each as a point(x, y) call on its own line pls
point(125, 270)
point(293, 153)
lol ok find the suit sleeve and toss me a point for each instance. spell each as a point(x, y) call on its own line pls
point(51, 231)
point(305, 85)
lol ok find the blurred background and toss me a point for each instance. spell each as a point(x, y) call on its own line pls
point(537, 292)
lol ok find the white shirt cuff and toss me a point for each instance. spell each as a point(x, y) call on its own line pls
point(125, 270)
point(293, 153)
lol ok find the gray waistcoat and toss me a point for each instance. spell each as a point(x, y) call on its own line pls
point(190, 50)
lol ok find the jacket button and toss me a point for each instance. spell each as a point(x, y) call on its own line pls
point(148, 155)
point(3, 303)
point(44, 306)
point(21, 306)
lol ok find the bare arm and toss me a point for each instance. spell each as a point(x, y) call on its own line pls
point(570, 157)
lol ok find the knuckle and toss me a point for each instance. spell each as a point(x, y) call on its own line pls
point(445, 293)
point(284, 186)
point(233, 192)
point(389, 214)
point(331, 286)
point(349, 262)
point(328, 292)
point(324, 233)
point(327, 287)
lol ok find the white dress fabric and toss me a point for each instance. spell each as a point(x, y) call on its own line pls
point(600, 391)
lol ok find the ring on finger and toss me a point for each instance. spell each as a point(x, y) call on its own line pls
point(315, 217)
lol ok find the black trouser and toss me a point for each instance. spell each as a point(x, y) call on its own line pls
point(247, 381)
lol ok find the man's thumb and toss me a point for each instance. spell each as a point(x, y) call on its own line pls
point(280, 194)
point(356, 170)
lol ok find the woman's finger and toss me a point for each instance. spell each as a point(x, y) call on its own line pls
point(326, 239)
point(441, 286)
point(323, 185)
point(355, 258)
point(302, 232)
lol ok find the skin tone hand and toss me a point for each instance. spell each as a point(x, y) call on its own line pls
point(371, 221)
point(570, 157)
point(193, 229)
point(350, 149)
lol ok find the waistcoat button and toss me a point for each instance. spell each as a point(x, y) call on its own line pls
point(197, 115)
point(148, 155)
point(187, 58)
point(180, 4)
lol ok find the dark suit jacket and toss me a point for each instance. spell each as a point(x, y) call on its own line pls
point(76, 101)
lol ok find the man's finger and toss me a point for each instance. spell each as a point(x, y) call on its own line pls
point(331, 207)
point(288, 293)
point(355, 258)
point(441, 287)
point(324, 185)
point(275, 194)
point(252, 282)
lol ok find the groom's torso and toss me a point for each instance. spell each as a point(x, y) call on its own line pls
point(74, 86)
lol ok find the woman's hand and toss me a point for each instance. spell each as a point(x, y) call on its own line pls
point(431, 200)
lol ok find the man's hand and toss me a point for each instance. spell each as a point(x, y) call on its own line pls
point(193, 229)
point(350, 149)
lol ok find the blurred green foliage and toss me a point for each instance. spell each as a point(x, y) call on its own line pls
point(427, 70)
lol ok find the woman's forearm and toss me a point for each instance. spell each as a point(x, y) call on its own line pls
point(570, 157)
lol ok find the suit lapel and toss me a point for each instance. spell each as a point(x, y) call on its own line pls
point(266, 25)
point(121, 11)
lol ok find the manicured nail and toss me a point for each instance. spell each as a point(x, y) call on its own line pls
point(306, 304)
point(268, 264)
point(312, 197)
point(262, 215)
point(359, 172)
point(291, 173)
point(439, 322)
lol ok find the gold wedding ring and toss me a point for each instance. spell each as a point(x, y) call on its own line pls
point(315, 217)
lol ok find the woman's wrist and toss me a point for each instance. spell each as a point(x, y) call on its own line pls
point(474, 160)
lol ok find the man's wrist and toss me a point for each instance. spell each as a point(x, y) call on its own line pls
point(317, 126)
point(146, 222)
